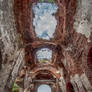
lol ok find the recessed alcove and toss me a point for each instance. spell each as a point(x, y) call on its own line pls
point(44, 20)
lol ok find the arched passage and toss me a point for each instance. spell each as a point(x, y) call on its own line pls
point(53, 71)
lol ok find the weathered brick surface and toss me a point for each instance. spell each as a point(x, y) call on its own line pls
point(73, 40)
point(12, 56)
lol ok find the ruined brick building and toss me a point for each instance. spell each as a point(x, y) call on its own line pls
point(46, 43)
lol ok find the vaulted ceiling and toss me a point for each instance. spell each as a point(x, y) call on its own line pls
point(50, 41)
point(26, 13)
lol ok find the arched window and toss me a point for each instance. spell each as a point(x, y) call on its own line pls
point(44, 20)
point(44, 88)
point(44, 55)
point(70, 87)
point(90, 59)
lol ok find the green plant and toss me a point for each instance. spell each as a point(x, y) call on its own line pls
point(50, 1)
point(15, 88)
point(41, 1)
point(44, 61)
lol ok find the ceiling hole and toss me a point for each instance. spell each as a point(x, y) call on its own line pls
point(44, 55)
point(44, 20)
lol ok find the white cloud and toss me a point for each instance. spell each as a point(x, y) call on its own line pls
point(44, 22)
point(44, 53)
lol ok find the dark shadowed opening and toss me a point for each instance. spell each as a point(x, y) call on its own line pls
point(90, 59)
point(70, 87)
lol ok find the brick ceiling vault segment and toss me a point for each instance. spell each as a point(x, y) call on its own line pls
point(24, 16)
point(24, 19)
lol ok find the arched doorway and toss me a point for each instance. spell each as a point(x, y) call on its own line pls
point(44, 88)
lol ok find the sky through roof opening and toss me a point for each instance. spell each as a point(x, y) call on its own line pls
point(44, 20)
point(44, 55)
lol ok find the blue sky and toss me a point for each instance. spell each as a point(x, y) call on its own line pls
point(44, 21)
point(44, 88)
point(44, 53)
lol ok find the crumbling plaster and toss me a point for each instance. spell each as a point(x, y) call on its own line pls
point(10, 52)
point(83, 18)
point(75, 52)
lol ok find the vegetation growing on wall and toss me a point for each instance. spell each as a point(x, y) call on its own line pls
point(50, 1)
point(15, 88)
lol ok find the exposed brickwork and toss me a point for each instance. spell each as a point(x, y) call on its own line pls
point(11, 56)
point(72, 45)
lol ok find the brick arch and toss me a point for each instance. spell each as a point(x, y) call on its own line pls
point(52, 70)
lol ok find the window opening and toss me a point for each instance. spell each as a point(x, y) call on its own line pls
point(44, 88)
point(44, 55)
point(44, 20)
